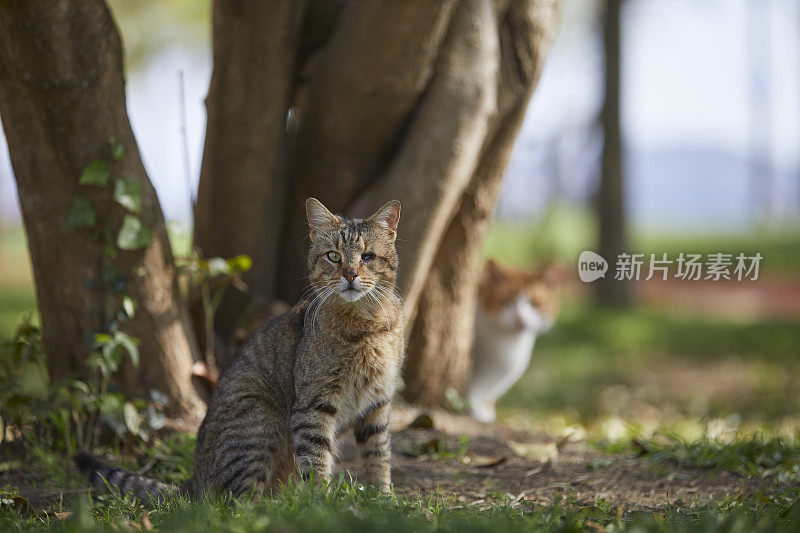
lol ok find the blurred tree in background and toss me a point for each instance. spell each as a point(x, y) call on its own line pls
point(611, 197)
point(354, 103)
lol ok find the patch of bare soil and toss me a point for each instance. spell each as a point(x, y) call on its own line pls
point(497, 461)
point(533, 467)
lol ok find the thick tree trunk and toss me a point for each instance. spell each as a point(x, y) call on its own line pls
point(416, 100)
point(611, 198)
point(62, 96)
point(242, 193)
point(361, 89)
point(441, 337)
point(442, 144)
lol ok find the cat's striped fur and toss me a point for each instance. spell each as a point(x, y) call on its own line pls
point(327, 365)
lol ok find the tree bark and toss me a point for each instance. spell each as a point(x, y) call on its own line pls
point(241, 197)
point(416, 100)
point(62, 96)
point(611, 198)
point(441, 337)
point(442, 145)
point(361, 91)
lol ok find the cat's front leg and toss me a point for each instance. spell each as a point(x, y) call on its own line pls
point(372, 436)
point(313, 433)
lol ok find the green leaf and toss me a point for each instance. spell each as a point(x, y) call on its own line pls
point(96, 360)
point(112, 354)
point(117, 150)
point(133, 420)
point(129, 306)
point(131, 345)
point(80, 386)
point(128, 193)
point(111, 403)
point(82, 214)
point(102, 338)
point(96, 173)
point(110, 251)
point(133, 235)
point(240, 263)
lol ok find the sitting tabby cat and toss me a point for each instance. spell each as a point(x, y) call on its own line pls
point(328, 364)
point(514, 306)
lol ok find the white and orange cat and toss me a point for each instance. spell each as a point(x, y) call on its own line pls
point(514, 307)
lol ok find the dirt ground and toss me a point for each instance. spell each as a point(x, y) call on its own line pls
point(494, 462)
point(531, 468)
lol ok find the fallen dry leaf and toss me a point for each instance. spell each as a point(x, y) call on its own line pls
point(485, 461)
point(535, 451)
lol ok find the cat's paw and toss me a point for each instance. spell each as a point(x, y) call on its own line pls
point(483, 413)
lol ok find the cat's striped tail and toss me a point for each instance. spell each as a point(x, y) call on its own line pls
point(101, 475)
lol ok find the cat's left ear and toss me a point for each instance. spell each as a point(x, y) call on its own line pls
point(388, 216)
point(553, 274)
point(319, 218)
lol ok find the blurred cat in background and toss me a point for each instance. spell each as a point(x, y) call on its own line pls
point(514, 306)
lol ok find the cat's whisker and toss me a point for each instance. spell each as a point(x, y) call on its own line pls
point(386, 297)
point(315, 286)
point(317, 298)
point(325, 294)
point(393, 290)
point(388, 325)
point(329, 293)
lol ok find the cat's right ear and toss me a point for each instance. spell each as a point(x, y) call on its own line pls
point(492, 272)
point(319, 218)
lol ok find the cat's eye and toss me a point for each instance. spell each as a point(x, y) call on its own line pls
point(334, 257)
point(367, 256)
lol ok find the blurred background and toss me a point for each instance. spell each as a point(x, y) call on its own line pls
point(709, 107)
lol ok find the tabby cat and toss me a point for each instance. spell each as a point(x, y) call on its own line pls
point(328, 364)
point(514, 306)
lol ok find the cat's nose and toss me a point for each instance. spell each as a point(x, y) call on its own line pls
point(350, 274)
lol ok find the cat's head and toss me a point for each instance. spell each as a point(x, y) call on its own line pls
point(515, 300)
point(350, 258)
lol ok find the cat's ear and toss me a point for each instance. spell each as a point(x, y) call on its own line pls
point(554, 274)
point(493, 272)
point(319, 218)
point(388, 216)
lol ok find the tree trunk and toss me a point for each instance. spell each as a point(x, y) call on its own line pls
point(611, 200)
point(362, 89)
point(62, 97)
point(416, 100)
point(441, 337)
point(242, 193)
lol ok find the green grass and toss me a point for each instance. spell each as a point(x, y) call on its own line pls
point(593, 355)
point(752, 455)
point(345, 507)
point(15, 303)
point(350, 507)
point(632, 368)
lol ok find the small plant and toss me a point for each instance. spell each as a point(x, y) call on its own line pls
point(209, 279)
point(64, 416)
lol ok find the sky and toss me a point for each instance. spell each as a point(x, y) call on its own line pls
point(708, 86)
